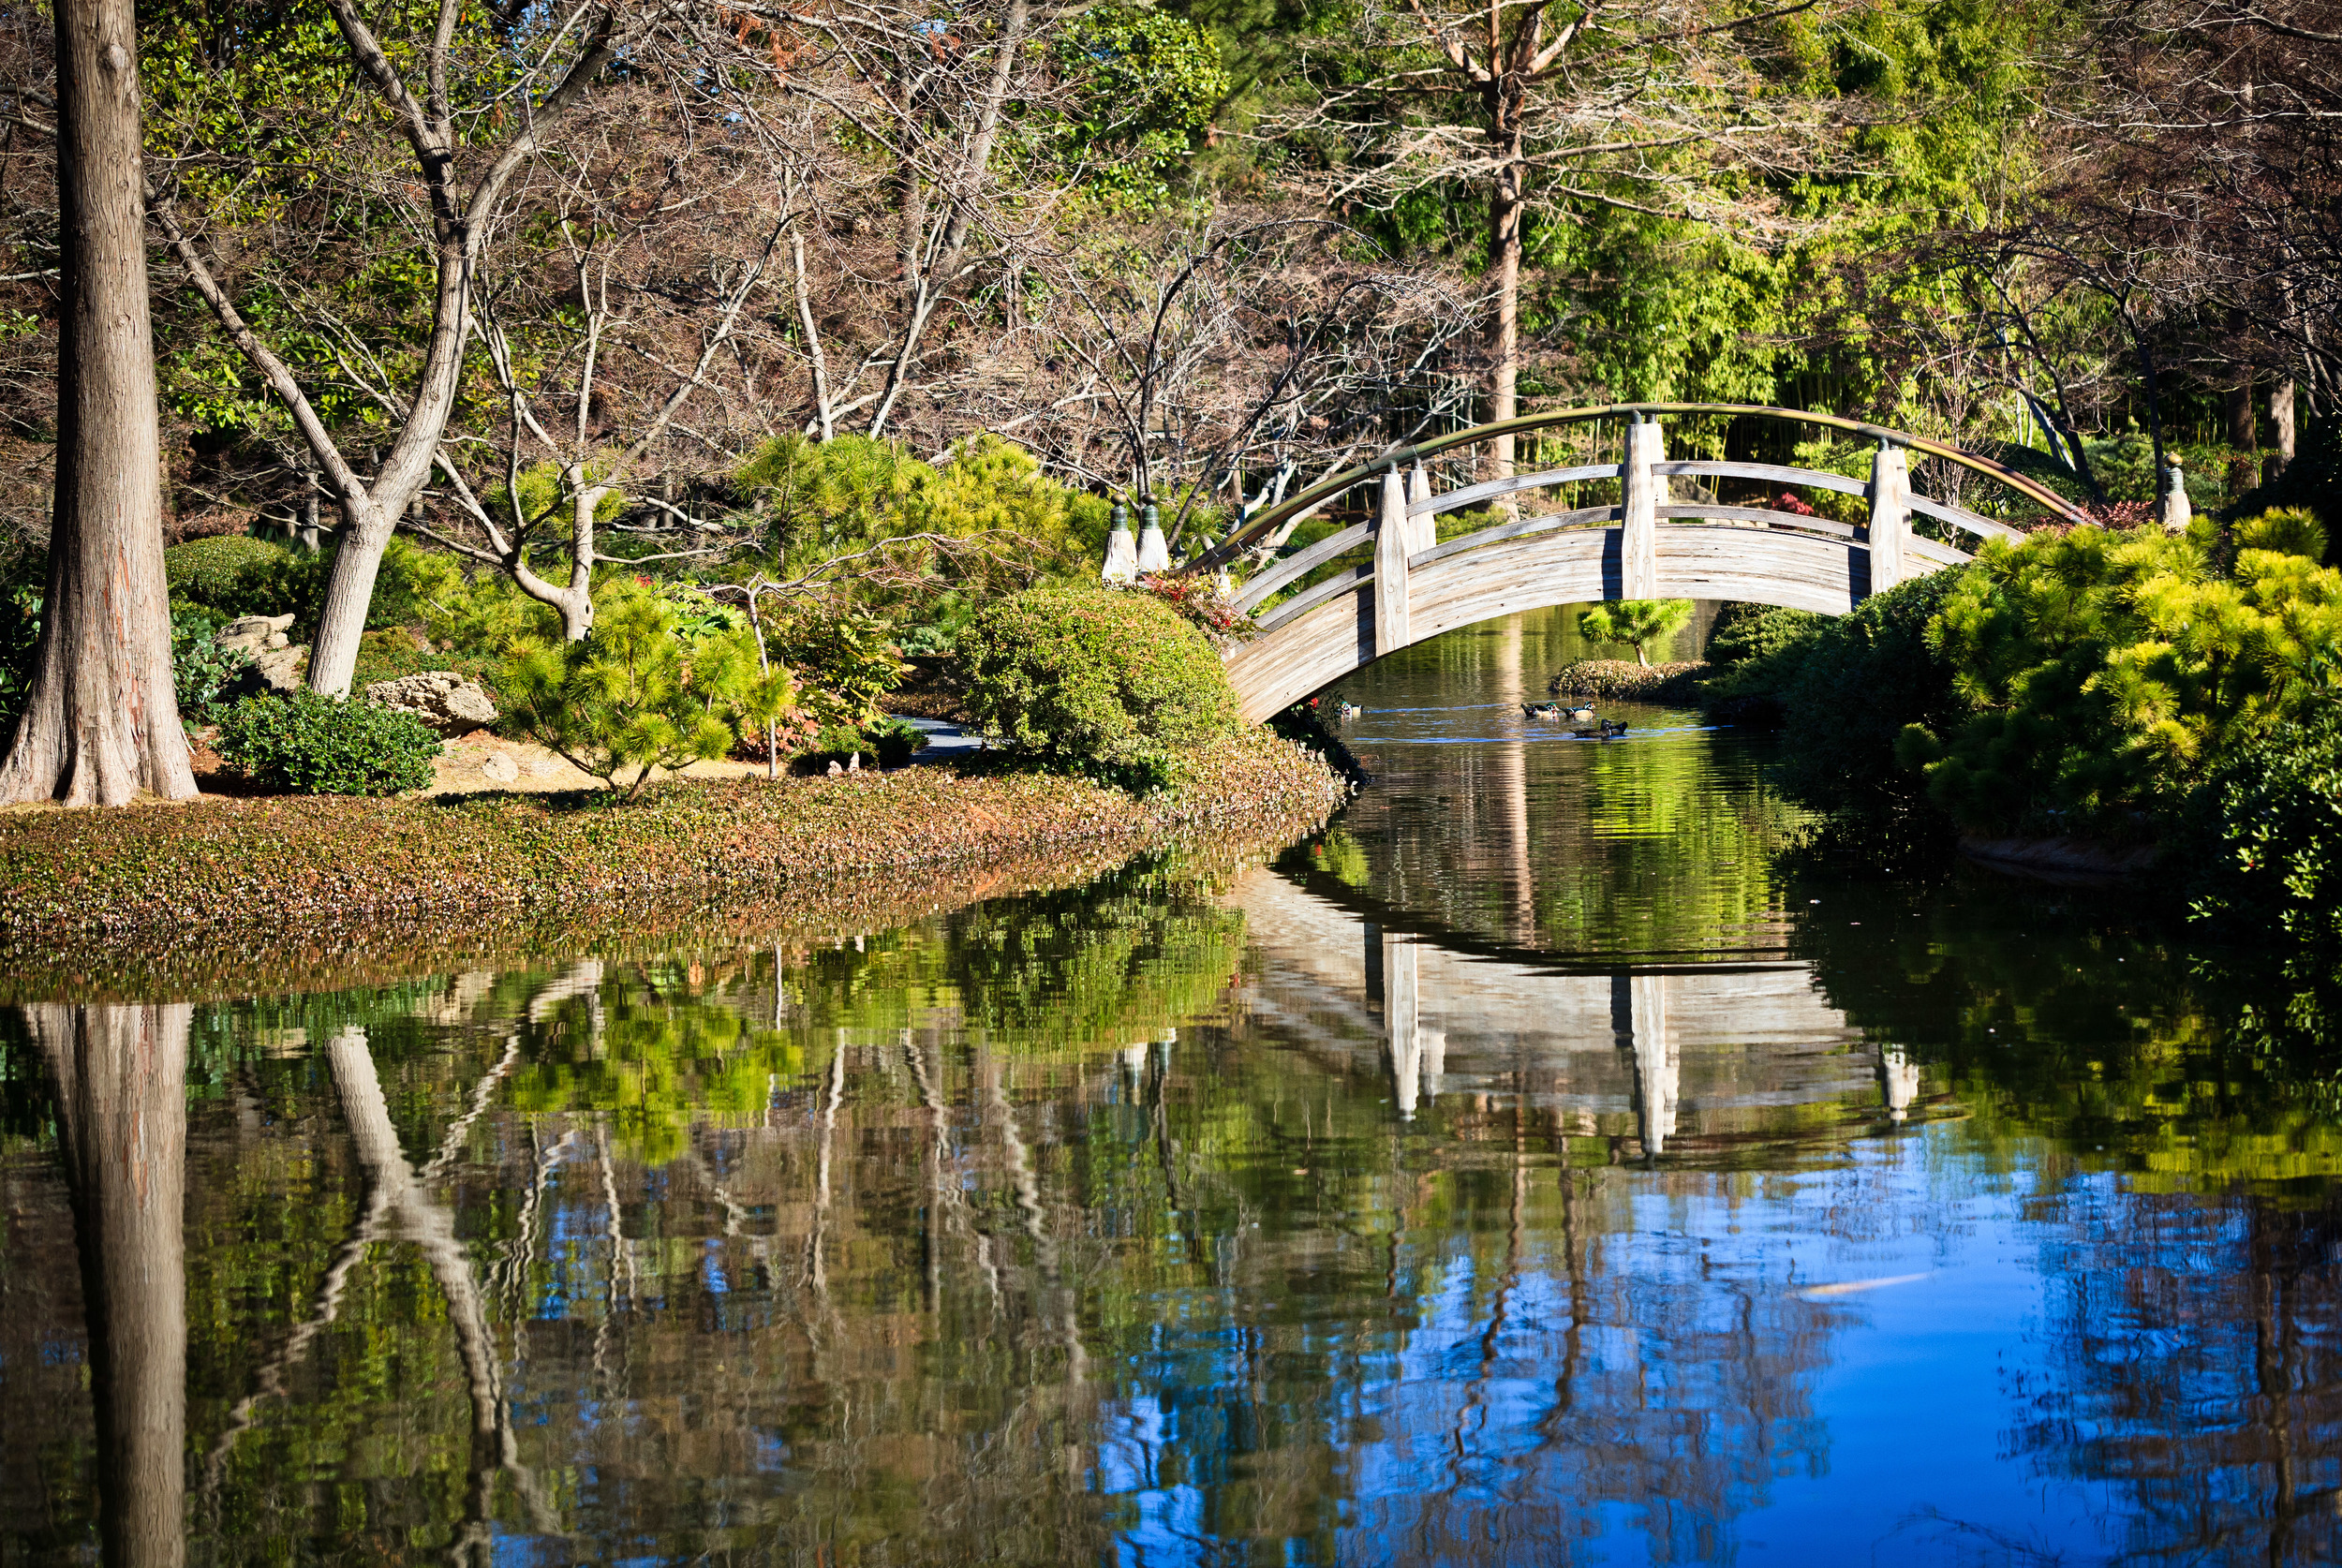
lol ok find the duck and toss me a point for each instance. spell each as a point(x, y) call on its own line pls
point(1542, 710)
point(1351, 710)
point(1582, 712)
point(1612, 730)
point(1585, 735)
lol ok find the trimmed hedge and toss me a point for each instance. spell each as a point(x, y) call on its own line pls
point(1096, 680)
point(210, 572)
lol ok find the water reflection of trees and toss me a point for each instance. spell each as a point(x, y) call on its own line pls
point(2187, 1156)
point(1662, 843)
point(1017, 1234)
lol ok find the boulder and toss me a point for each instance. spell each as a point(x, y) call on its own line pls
point(279, 665)
point(442, 699)
point(253, 633)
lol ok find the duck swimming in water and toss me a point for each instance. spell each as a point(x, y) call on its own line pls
point(1582, 712)
point(1351, 710)
point(1542, 710)
point(1612, 732)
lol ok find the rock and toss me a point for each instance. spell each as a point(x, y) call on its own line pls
point(835, 771)
point(441, 698)
point(253, 633)
point(281, 668)
point(497, 767)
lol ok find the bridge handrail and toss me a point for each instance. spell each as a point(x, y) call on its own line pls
point(1307, 499)
point(1487, 490)
point(1699, 510)
point(1310, 598)
point(1299, 562)
point(1497, 533)
point(1811, 478)
point(1960, 517)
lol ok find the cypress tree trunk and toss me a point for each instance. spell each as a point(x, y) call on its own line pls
point(101, 723)
point(122, 1113)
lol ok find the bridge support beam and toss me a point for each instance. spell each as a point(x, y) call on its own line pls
point(1393, 544)
point(1639, 546)
point(1890, 517)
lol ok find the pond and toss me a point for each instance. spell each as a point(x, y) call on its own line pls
point(1545, 1163)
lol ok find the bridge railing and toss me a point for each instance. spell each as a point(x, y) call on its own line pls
point(1403, 530)
point(1403, 533)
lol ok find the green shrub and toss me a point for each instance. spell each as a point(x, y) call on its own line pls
point(1095, 680)
point(638, 693)
point(2264, 838)
point(2105, 672)
point(207, 677)
point(844, 661)
point(1848, 692)
point(327, 745)
point(1744, 632)
point(209, 572)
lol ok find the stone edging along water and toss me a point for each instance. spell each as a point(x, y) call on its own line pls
point(168, 874)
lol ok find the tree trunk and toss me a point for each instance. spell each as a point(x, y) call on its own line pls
point(100, 722)
point(122, 1113)
point(1507, 206)
point(2280, 429)
point(2243, 436)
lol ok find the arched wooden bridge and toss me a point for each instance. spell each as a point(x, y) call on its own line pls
point(1646, 546)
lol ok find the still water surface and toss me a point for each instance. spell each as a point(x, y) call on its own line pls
point(1537, 1167)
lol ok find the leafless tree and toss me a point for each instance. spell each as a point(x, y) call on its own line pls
point(1188, 360)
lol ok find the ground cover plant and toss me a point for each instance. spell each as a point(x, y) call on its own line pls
point(268, 864)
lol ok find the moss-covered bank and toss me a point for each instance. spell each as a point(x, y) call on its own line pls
point(166, 873)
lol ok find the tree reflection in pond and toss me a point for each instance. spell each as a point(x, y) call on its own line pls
point(1278, 1219)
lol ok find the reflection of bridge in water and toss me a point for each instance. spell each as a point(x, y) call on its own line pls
point(1690, 1060)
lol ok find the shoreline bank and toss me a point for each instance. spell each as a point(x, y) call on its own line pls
point(306, 868)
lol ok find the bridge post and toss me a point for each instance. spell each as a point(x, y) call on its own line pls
point(1391, 549)
point(1423, 531)
point(1891, 516)
point(1638, 549)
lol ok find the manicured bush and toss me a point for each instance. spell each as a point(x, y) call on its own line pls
point(2105, 672)
point(236, 575)
point(207, 677)
point(1094, 679)
point(327, 745)
point(638, 694)
point(2264, 838)
point(209, 572)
